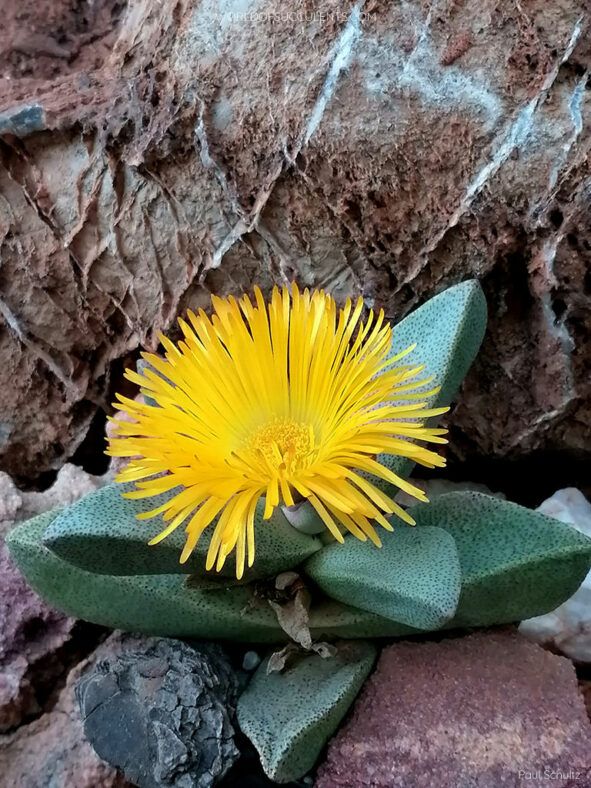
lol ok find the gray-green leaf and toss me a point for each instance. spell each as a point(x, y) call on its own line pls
point(100, 533)
point(515, 563)
point(154, 604)
point(448, 331)
point(413, 579)
point(290, 716)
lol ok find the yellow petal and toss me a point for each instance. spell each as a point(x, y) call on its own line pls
point(272, 399)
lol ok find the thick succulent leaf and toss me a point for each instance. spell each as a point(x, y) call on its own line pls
point(448, 331)
point(413, 579)
point(290, 716)
point(154, 604)
point(100, 533)
point(515, 563)
point(330, 619)
point(164, 605)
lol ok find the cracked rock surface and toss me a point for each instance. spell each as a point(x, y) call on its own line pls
point(382, 149)
point(160, 711)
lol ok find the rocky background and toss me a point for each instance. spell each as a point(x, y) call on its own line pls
point(154, 153)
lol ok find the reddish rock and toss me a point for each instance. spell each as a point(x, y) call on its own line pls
point(36, 642)
point(155, 152)
point(42, 42)
point(456, 49)
point(52, 750)
point(43, 742)
point(31, 638)
point(485, 710)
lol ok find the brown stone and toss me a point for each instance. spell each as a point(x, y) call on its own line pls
point(484, 710)
point(374, 149)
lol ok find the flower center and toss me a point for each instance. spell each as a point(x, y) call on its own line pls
point(285, 444)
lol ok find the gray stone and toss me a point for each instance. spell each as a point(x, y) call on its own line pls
point(22, 121)
point(251, 661)
point(160, 711)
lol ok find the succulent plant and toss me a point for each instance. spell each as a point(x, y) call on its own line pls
point(471, 560)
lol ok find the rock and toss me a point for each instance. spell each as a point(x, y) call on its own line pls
point(251, 661)
point(189, 148)
point(10, 501)
point(568, 628)
point(70, 484)
point(36, 642)
point(484, 710)
point(161, 711)
point(32, 635)
point(569, 506)
point(52, 750)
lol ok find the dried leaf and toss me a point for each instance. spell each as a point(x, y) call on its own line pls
point(279, 659)
point(291, 603)
point(284, 580)
point(293, 614)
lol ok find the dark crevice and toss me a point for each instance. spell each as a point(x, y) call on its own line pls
point(90, 454)
point(247, 772)
point(84, 640)
point(40, 483)
point(526, 480)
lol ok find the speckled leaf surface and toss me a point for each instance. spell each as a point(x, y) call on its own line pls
point(331, 619)
point(290, 716)
point(100, 533)
point(413, 579)
point(515, 563)
point(448, 331)
point(157, 605)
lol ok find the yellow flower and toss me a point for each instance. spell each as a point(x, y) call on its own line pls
point(286, 400)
